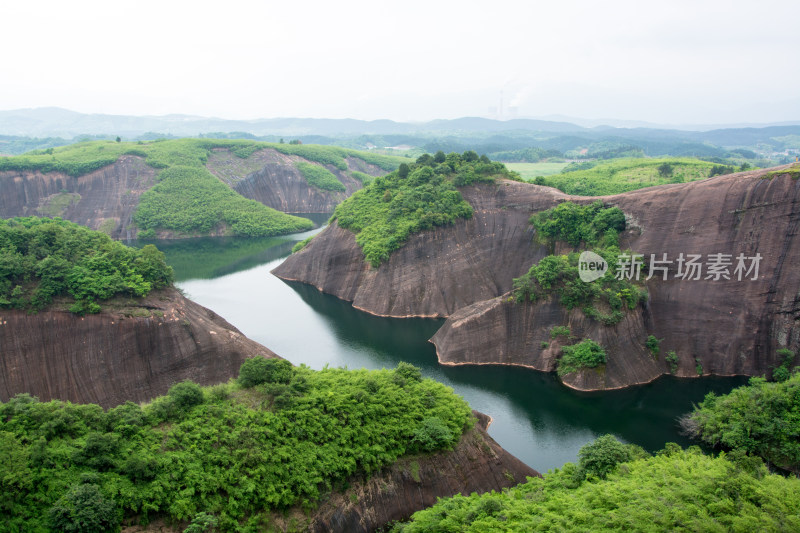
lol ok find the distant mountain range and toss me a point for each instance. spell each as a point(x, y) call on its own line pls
point(23, 130)
point(58, 122)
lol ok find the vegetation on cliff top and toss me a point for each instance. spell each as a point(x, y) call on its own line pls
point(42, 258)
point(599, 178)
point(618, 488)
point(188, 199)
point(278, 437)
point(413, 198)
point(320, 177)
point(762, 418)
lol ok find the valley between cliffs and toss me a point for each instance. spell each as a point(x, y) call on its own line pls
point(464, 272)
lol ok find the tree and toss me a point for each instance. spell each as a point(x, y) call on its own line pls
point(186, 394)
point(118, 139)
point(665, 170)
point(602, 456)
point(439, 157)
point(259, 370)
point(403, 170)
point(85, 509)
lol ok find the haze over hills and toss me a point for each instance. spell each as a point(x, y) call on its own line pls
point(59, 122)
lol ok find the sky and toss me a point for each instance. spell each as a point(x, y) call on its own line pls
point(669, 62)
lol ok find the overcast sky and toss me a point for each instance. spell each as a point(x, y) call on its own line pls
point(673, 62)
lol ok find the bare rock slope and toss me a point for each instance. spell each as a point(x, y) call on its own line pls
point(464, 272)
point(129, 351)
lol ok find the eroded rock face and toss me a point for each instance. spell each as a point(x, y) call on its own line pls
point(106, 199)
point(103, 200)
point(437, 271)
point(124, 353)
point(272, 178)
point(465, 271)
point(477, 464)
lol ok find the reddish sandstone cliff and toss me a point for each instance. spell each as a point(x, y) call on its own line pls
point(463, 271)
point(102, 200)
point(272, 178)
point(130, 351)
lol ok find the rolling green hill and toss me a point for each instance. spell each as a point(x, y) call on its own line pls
point(599, 178)
point(188, 199)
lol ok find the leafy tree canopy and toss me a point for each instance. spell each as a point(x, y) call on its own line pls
point(42, 258)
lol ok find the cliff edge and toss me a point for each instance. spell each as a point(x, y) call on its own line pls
point(465, 271)
point(132, 350)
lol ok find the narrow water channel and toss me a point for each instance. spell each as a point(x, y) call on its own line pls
point(534, 416)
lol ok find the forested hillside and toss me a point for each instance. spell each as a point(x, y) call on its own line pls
point(231, 454)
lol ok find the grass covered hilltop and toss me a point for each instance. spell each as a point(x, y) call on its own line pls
point(228, 455)
point(187, 199)
point(414, 198)
point(42, 259)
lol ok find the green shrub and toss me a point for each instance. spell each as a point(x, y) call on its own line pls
point(302, 244)
point(320, 177)
point(653, 345)
point(85, 509)
point(783, 371)
point(672, 359)
point(585, 354)
point(431, 435)
point(202, 523)
point(365, 179)
point(560, 331)
point(409, 371)
point(186, 394)
point(258, 370)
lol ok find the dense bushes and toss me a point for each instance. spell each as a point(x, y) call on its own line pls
point(626, 491)
point(320, 177)
point(228, 451)
point(42, 258)
point(761, 418)
point(419, 197)
point(604, 299)
point(585, 354)
point(260, 370)
point(574, 223)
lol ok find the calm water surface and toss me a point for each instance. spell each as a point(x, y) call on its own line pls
point(535, 417)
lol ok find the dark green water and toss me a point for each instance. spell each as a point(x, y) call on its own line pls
point(535, 417)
